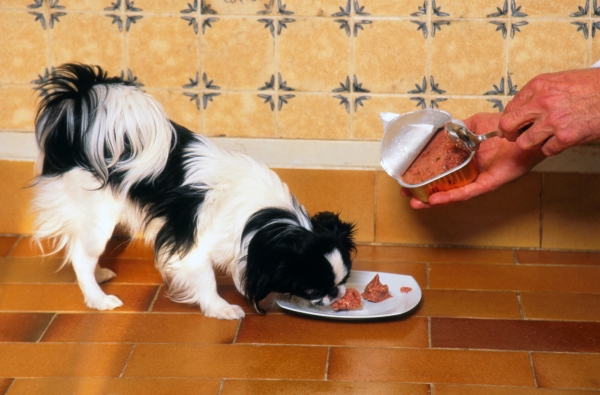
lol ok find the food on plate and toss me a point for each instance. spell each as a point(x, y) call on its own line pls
point(375, 291)
point(438, 156)
point(350, 301)
point(405, 290)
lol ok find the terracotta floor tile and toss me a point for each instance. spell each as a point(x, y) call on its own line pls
point(215, 361)
point(5, 384)
point(567, 370)
point(27, 248)
point(468, 304)
point(515, 335)
point(443, 389)
point(140, 328)
point(472, 223)
point(430, 366)
point(133, 271)
point(561, 306)
point(6, 244)
point(278, 387)
point(291, 329)
point(35, 270)
point(417, 270)
point(62, 360)
point(571, 214)
point(433, 255)
point(23, 327)
point(334, 190)
point(539, 257)
point(163, 304)
point(114, 386)
point(127, 249)
point(577, 279)
point(68, 297)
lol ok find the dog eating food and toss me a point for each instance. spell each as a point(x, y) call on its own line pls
point(350, 301)
point(438, 156)
point(375, 291)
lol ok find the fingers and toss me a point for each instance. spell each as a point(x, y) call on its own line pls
point(518, 115)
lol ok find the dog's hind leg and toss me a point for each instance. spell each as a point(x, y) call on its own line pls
point(192, 280)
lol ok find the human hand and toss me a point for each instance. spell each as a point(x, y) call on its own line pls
point(499, 161)
point(554, 111)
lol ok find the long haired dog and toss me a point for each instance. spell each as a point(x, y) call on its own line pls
point(109, 155)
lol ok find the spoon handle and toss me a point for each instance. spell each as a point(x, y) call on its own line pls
point(483, 137)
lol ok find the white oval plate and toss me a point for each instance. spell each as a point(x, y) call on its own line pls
point(398, 304)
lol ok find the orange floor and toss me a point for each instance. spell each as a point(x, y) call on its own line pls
point(491, 322)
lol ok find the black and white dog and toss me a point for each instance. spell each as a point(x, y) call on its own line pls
point(108, 155)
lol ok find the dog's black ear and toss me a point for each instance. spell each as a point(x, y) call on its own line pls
point(330, 223)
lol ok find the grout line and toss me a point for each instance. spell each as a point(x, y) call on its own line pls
point(427, 275)
point(221, 387)
point(542, 210)
point(431, 389)
point(430, 342)
point(515, 260)
point(535, 383)
point(47, 327)
point(237, 331)
point(520, 305)
point(127, 361)
point(154, 299)
point(326, 378)
point(14, 246)
point(10, 385)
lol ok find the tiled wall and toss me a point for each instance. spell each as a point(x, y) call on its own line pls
point(318, 69)
point(322, 69)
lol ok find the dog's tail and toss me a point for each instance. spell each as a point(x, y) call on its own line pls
point(104, 125)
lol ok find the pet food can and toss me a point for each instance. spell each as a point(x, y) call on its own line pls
point(405, 137)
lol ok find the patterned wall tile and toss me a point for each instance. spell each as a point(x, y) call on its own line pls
point(461, 107)
point(474, 8)
point(366, 123)
point(545, 46)
point(238, 115)
point(402, 8)
point(243, 7)
point(178, 107)
point(238, 53)
point(313, 54)
point(165, 6)
point(324, 8)
point(161, 50)
point(17, 105)
point(390, 56)
point(23, 48)
point(562, 8)
point(460, 57)
point(96, 41)
point(313, 116)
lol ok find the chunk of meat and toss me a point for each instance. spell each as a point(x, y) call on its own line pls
point(350, 301)
point(375, 291)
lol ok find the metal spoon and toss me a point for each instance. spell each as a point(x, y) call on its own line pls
point(463, 137)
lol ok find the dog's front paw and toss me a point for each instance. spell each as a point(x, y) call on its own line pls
point(106, 302)
point(224, 311)
point(103, 274)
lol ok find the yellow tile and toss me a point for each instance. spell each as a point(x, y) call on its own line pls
point(311, 64)
point(18, 107)
point(313, 116)
point(366, 123)
point(14, 197)
point(314, 7)
point(508, 216)
point(468, 57)
point(179, 108)
point(96, 42)
point(462, 108)
point(88, 5)
point(13, 4)
point(239, 7)
point(162, 51)
point(23, 49)
point(238, 54)
point(390, 7)
point(390, 56)
point(571, 211)
point(472, 9)
point(536, 48)
point(563, 8)
point(349, 193)
point(174, 7)
point(237, 115)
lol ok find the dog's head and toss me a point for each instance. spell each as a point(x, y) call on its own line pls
point(312, 264)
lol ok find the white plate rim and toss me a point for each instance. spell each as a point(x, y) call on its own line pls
point(414, 297)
